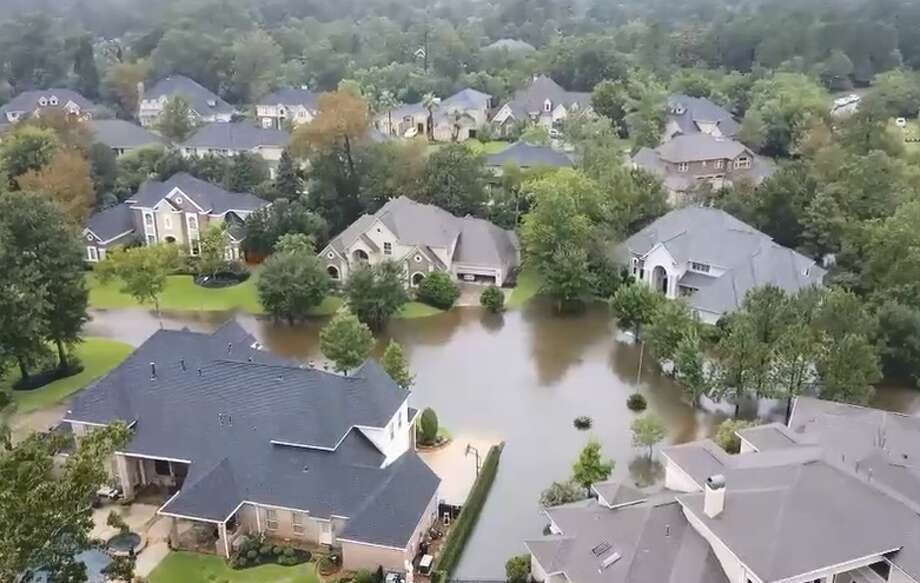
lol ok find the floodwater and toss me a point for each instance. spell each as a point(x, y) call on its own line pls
point(521, 378)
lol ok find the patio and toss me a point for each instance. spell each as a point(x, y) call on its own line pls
point(142, 519)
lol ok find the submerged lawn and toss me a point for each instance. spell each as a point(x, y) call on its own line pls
point(181, 294)
point(181, 567)
point(528, 285)
point(98, 355)
point(417, 310)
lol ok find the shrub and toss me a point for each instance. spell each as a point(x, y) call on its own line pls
point(428, 427)
point(439, 291)
point(562, 493)
point(492, 299)
point(252, 554)
point(289, 552)
point(582, 422)
point(726, 437)
point(325, 566)
point(517, 569)
point(276, 550)
point(636, 402)
point(115, 520)
point(266, 550)
point(363, 576)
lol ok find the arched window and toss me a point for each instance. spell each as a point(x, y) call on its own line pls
point(360, 255)
point(417, 278)
point(333, 272)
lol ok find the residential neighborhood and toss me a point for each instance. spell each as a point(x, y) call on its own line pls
point(443, 291)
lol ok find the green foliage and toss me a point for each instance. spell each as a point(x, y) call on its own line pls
point(609, 100)
point(142, 271)
point(288, 181)
point(690, 368)
point(517, 569)
point(293, 280)
point(176, 121)
point(647, 431)
point(212, 248)
point(784, 103)
point(492, 299)
point(116, 521)
point(121, 568)
point(726, 434)
point(346, 341)
point(590, 467)
point(438, 290)
point(670, 323)
point(634, 306)
point(636, 402)
point(264, 227)
point(395, 364)
point(455, 180)
point(376, 292)
point(428, 427)
point(27, 148)
point(560, 493)
point(899, 331)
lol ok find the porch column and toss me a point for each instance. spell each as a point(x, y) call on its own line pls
point(125, 476)
point(222, 536)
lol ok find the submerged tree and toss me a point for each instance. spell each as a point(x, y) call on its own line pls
point(346, 341)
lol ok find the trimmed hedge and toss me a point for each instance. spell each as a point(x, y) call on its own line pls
point(463, 527)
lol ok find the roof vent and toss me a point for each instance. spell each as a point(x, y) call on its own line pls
point(609, 561)
point(153, 370)
point(212, 103)
point(667, 530)
point(182, 364)
point(306, 469)
point(600, 549)
point(224, 420)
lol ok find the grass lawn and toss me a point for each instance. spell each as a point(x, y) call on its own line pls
point(98, 355)
point(179, 567)
point(181, 294)
point(417, 310)
point(528, 284)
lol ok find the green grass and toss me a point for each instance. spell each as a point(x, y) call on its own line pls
point(417, 310)
point(181, 294)
point(98, 356)
point(181, 567)
point(528, 285)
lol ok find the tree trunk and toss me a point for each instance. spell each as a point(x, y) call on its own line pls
point(788, 408)
point(737, 408)
point(348, 158)
point(62, 355)
point(23, 369)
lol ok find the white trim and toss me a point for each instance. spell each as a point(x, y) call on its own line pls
point(682, 470)
point(379, 546)
point(746, 442)
point(118, 236)
point(847, 565)
point(304, 446)
point(94, 424)
point(185, 194)
point(161, 512)
point(153, 457)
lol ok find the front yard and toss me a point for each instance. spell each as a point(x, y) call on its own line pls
point(181, 567)
point(528, 285)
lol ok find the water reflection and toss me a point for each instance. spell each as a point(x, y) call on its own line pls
point(645, 471)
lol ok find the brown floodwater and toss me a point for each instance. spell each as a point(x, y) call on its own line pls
point(521, 378)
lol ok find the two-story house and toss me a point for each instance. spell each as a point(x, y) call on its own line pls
point(236, 441)
point(543, 102)
point(230, 139)
point(711, 259)
point(831, 497)
point(454, 119)
point(175, 211)
point(32, 103)
point(424, 239)
point(289, 106)
point(687, 161)
point(205, 105)
point(698, 115)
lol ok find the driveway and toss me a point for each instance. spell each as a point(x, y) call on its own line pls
point(469, 294)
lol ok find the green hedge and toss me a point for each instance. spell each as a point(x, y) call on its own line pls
point(463, 526)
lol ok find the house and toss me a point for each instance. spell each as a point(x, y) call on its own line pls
point(512, 45)
point(31, 103)
point(230, 139)
point(237, 441)
point(123, 136)
point(526, 156)
point(543, 102)
point(205, 105)
point(698, 115)
point(831, 497)
point(454, 119)
point(711, 260)
point(689, 160)
point(423, 239)
point(176, 211)
point(289, 105)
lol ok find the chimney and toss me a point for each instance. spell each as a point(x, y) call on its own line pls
point(153, 370)
point(714, 496)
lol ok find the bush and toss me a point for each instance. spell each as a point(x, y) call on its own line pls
point(428, 427)
point(492, 299)
point(517, 569)
point(562, 493)
point(325, 566)
point(276, 550)
point(252, 554)
point(636, 402)
point(438, 290)
point(266, 550)
point(49, 375)
point(725, 434)
point(582, 422)
point(363, 576)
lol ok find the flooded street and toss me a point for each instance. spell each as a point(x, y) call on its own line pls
point(520, 378)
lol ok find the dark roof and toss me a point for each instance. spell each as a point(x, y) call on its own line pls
point(110, 223)
point(121, 134)
point(530, 100)
point(290, 96)
point(200, 99)
point(242, 135)
point(699, 110)
point(527, 155)
point(209, 197)
point(28, 101)
point(258, 428)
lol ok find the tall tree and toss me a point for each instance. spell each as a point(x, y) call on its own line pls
point(455, 180)
point(255, 59)
point(293, 281)
point(635, 306)
point(395, 364)
point(176, 121)
point(27, 148)
point(245, 172)
point(690, 368)
point(84, 67)
point(265, 227)
point(288, 182)
point(346, 341)
point(376, 293)
point(590, 467)
point(66, 179)
point(213, 250)
point(647, 430)
point(142, 271)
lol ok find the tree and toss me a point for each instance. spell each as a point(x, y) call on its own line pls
point(255, 59)
point(27, 148)
point(346, 341)
point(265, 227)
point(428, 427)
point(785, 102)
point(647, 430)
point(634, 306)
point(438, 290)
point(837, 71)
point(492, 299)
point(726, 434)
point(560, 493)
point(848, 368)
point(590, 467)
point(288, 182)
point(570, 279)
point(455, 180)
point(121, 568)
point(143, 271)
point(212, 257)
point(899, 332)
point(395, 364)
point(430, 102)
point(176, 121)
point(50, 505)
point(122, 81)
point(375, 293)
point(66, 179)
point(690, 368)
point(293, 280)
point(84, 67)
point(670, 323)
point(609, 100)
point(517, 569)
point(244, 172)
point(103, 172)
point(536, 135)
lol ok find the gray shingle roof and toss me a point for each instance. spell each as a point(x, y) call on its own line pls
point(526, 155)
point(29, 101)
point(121, 134)
point(200, 99)
point(467, 99)
point(209, 197)
point(240, 136)
point(698, 110)
point(222, 411)
point(290, 96)
point(512, 45)
point(712, 236)
point(615, 494)
point(695, 147)
point(529, 101)
point(111, 222)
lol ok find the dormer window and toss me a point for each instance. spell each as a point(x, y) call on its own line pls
point(700, 267)
point(683, 167)
point(547, 106)
point(43, 101)
point(742, 162)
point(53, 100)
point(212, 103)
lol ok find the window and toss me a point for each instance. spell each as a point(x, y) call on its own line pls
point(178, 200)
point(193, 222)
point(400, 419)
point(271, 519)
point(720, 164)
point(701, 267)
point(743, 162)
point(388, 248)
point(418, 258)
point(151, 239)
point(92, 254)
point(53, 100)
point(194, 249)
point(392, 427)
point(161, 467)
point(683, 167)
point(330, 255)
point(167, 222)
point(703, 163)
point(882, 569)
point(297, 523)
point(148, 219)
point(547, 106)
point(43, 101)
